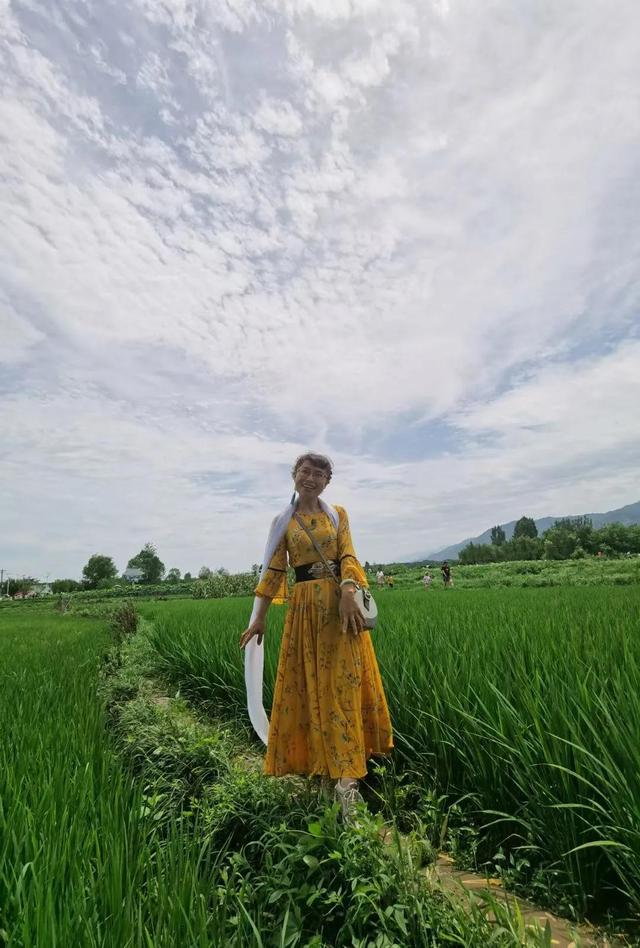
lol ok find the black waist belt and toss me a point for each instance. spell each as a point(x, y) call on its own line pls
point(316, 571)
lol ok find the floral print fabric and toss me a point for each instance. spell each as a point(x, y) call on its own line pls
point(329, 710)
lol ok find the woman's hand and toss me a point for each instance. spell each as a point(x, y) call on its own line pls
point(350, 615)
point(256, 628)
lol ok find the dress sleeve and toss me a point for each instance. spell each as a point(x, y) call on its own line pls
point(350, 567)
point(273, 585)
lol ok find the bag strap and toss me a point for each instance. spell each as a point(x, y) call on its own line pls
point(318, 550)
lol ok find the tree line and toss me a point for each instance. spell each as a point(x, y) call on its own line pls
point(101, 572)
point(568, 538)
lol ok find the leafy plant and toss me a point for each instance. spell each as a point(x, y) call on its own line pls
point(124, 621)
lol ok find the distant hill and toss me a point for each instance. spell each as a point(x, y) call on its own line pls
point(627, 515)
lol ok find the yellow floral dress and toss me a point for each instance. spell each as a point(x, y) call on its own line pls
point(329, 711)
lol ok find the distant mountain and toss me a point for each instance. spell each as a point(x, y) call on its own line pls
point(627, 515)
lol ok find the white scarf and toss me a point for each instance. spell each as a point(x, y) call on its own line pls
point(254, 653)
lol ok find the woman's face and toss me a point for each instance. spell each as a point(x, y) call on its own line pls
point(310, 480)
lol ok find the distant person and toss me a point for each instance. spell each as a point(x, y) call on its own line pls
point(390, 582)
point(446, 575)
point(380, 578)
point(427, 579)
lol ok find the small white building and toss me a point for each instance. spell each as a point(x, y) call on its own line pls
point(133, 575)
point(41, 589)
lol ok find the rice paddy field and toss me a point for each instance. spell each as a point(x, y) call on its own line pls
point(83, 860)
point(125, 823)
point(516, 714)
point(515, 709)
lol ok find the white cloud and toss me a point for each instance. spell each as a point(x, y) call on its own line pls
point(278, 118)
point(17, 335)
point(153, 74)
point(236, 229)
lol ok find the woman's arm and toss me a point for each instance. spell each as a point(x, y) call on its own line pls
point(350, 567)
point(268, 588)
point(274, 579)
point(352, 574)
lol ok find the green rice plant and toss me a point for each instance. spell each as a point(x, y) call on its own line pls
point(91, 854)
point(83, 861)
point(532, 710)
point(520, 706)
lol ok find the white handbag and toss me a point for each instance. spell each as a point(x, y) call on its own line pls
point(367, 606)
point(364, 600)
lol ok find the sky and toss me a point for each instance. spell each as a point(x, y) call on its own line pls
point(403, 234)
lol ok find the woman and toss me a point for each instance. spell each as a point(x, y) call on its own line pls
point(329, 710)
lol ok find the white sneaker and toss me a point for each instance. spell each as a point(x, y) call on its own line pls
point(347, 795)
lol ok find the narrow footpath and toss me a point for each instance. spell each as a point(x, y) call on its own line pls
point(470, 885)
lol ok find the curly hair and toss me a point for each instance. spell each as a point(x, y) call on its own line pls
point(318, 460)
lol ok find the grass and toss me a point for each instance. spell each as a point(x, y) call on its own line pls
point(516, 709)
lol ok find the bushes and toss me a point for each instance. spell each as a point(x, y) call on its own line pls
point(582, 571)
point(216, 586)
point(219, 586)
point(124, 621)
point(343, 887)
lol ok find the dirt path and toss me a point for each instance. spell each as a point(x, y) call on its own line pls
point(467, 885)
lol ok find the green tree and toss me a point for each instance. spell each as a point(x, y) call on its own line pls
point(64, 585)
point(525, 527)
point(19, 585)
point(98, 567)
point(617, 536)
point(187, 577)
point(573, 524)
point(559, 543)
point(173, 576)
point(523, 548)
point(204, 573)
point(478, 553)
point(107, 582)
point(498, 536)
point(149, 562)
point(467, 555)
point(579, 527)
point(489, 553)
